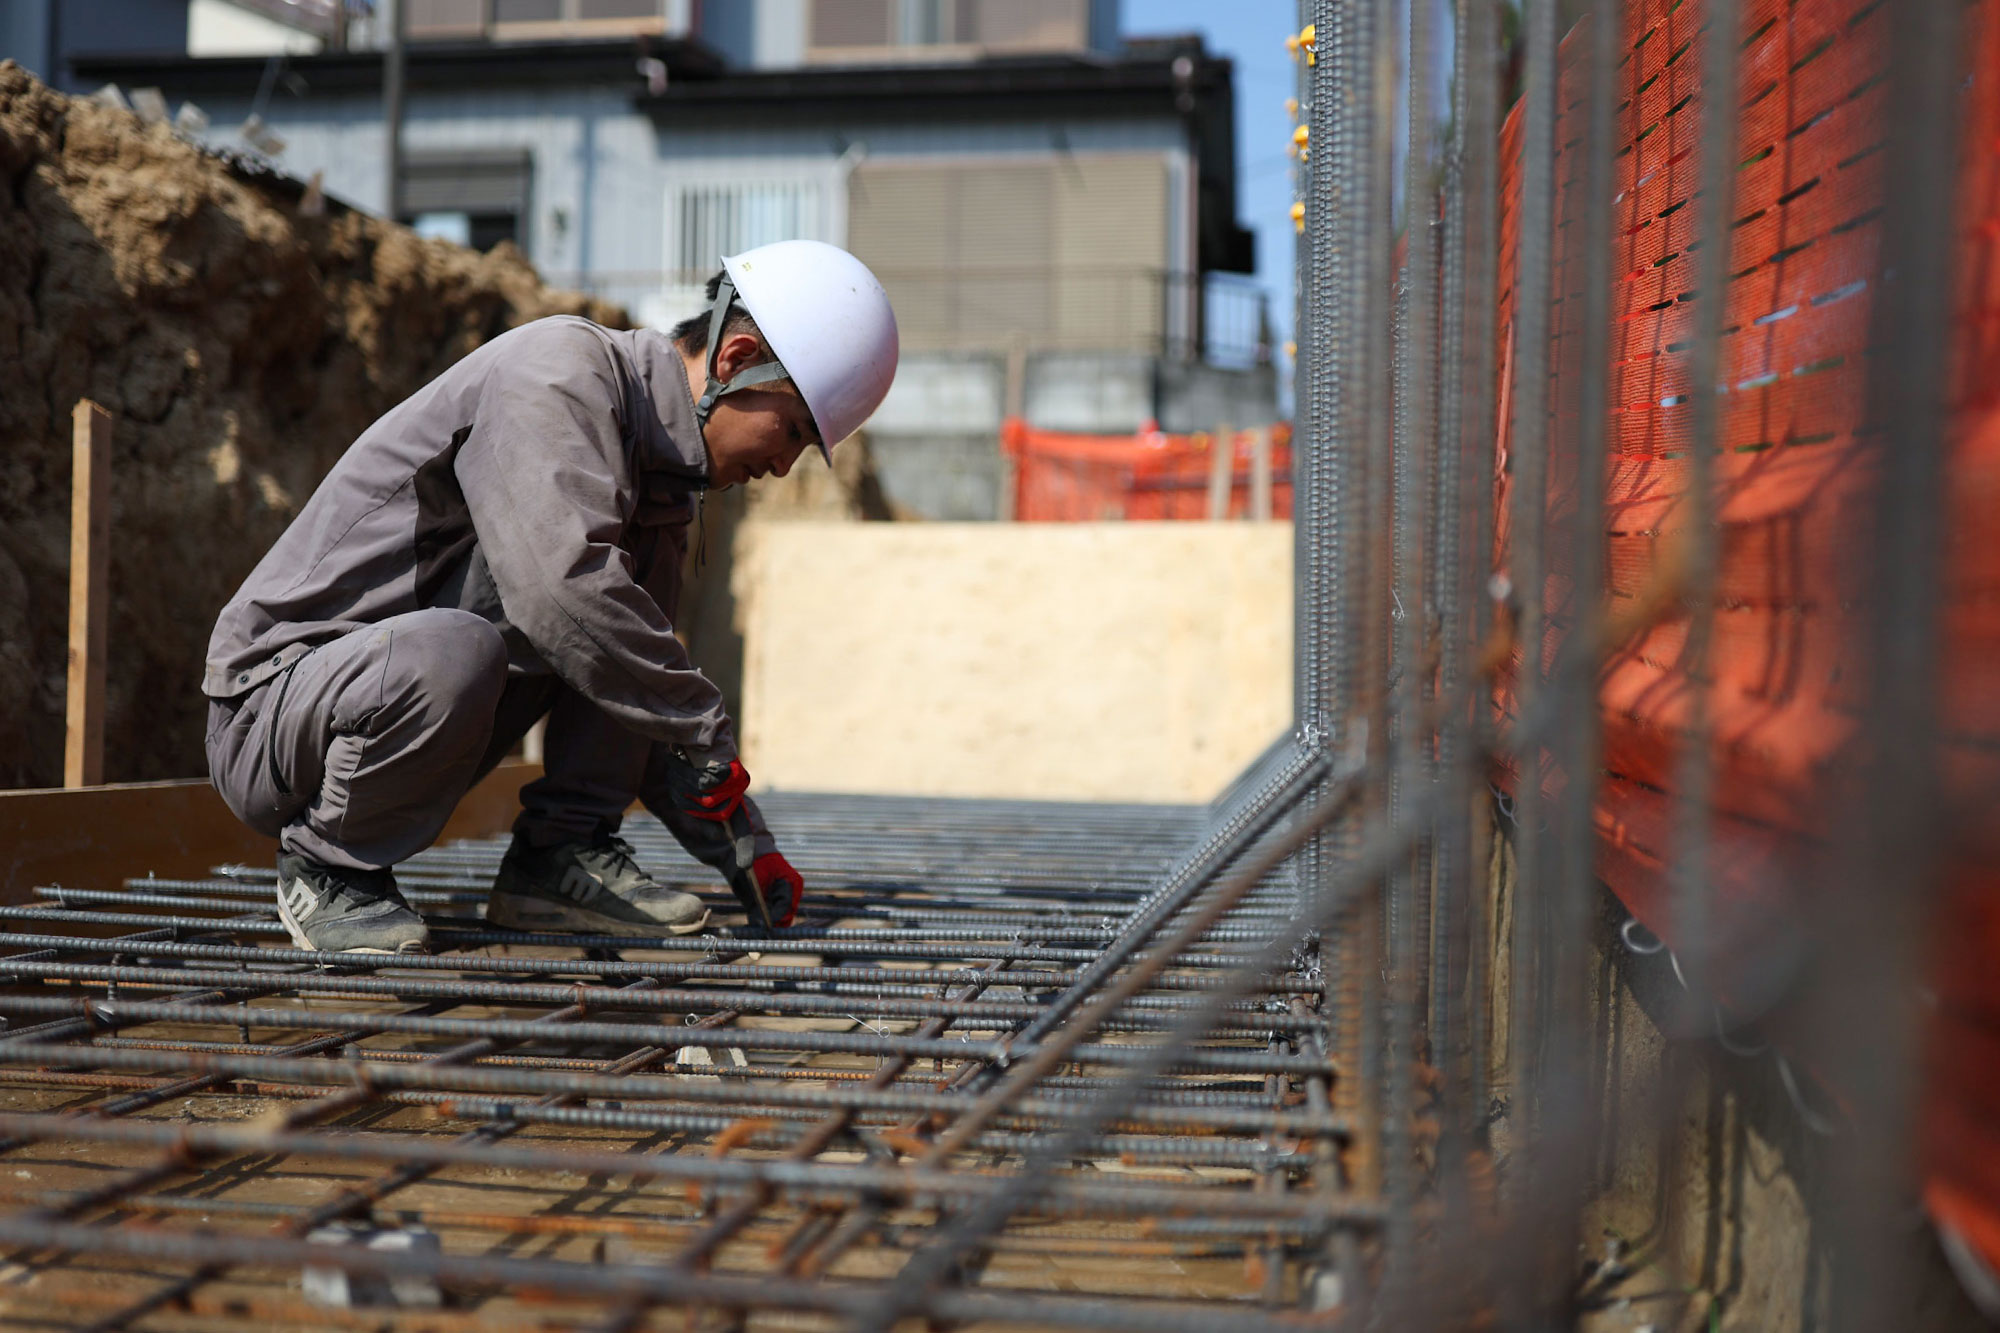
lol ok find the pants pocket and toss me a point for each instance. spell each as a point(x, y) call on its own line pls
point(277, 774)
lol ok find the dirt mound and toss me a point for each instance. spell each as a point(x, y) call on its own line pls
point(240, 339)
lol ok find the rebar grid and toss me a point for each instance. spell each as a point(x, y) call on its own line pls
point(736, 1115)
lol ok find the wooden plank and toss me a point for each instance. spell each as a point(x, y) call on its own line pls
point(95, 837)
point(1260, 474)
point(1221, 472)
point(89, 595)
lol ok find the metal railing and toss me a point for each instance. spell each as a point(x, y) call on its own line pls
point(1216, 317)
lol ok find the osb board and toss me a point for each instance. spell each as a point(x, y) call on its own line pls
point(1106, 661)
point(96, 837)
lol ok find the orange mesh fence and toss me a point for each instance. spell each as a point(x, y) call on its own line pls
point(1060, 477)
point(1796, 494)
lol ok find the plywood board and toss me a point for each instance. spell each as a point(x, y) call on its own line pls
point(1110, 661)
point(93, 837)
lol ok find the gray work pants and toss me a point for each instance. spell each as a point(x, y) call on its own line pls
point(358, 753)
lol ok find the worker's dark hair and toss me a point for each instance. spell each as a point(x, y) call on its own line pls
point(691, 334)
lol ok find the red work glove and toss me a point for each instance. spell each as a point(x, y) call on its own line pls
point(782, 885)
point(715, 792)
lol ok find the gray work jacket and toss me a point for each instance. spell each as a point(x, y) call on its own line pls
point(545, 482)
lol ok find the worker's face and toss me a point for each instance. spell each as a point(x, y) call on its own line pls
point(758, 432)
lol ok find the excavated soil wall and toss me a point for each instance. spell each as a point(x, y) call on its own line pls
point(241, 334)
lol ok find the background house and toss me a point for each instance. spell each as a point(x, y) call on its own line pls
point(1051, 206)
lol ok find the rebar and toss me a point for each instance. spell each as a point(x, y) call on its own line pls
point(212, 1005)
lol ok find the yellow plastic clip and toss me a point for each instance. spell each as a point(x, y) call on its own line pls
point(1292, 107)
point(1299, 217)
point(1307, 39)
point(1301, 138)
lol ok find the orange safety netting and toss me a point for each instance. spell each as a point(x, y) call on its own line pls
point(1060, 477)
point(1796, 493)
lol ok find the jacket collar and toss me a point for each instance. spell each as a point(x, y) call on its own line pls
point(678, 447)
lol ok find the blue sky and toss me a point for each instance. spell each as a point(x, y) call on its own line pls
point(1252, 34)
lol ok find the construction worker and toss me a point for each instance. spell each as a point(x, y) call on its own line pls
point(505, 546)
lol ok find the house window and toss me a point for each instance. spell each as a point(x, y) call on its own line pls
point(541, 20)
point(718, 220)
point(477, 198)
point(711, 216)
point(527, 11)
point(445, 20)
point(903, 29)
point(837, 23)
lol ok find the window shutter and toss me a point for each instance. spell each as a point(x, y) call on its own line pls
point(468, 182)
point(1111, 244)
point(1006, 252)
point(850, 22)
point(900, 224)
point(1067, 252)
point(442, 20)
point(618, 9)
point(527, 11)
point(1032, 25)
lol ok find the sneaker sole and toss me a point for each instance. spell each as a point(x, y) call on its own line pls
point(299, 938)
point(562, 919)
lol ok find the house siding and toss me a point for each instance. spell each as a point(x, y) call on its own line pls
point(604, 167)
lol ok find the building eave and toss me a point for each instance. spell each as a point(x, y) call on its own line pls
point(984, 86)
point(612, 64)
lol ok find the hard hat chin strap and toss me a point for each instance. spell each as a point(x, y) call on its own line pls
point(745, 379)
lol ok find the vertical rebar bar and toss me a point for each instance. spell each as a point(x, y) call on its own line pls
point(1694, 778)
point(1881, 921)
point(1407, 887)
point(1462, 486)
point(1529, 466)
point(1561, 1115)
point(1467, 466)
point(1342, 310)
point(1528, 459)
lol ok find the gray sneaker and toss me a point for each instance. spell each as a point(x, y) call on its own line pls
point(592, 888)
point(331, 909)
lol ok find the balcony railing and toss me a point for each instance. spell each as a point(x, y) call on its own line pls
point(1185, 316)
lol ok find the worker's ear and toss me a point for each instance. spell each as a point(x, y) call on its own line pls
point(739, 351)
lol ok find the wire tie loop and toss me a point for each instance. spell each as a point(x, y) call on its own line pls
point(1651, 944)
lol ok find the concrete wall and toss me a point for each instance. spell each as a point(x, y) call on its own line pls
point(940, 391)
point(936, 439)
point(1109, 393)
point(940, 476)
point(1117, 393)
point(1195, 396)
point(1145, 662)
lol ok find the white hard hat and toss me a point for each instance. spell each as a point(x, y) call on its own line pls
point(827, 321)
